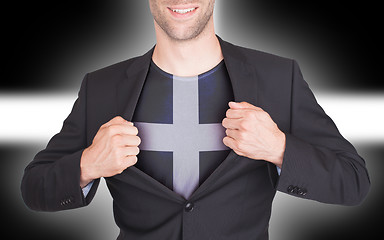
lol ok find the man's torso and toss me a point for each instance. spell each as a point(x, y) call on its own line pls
point(179, 123)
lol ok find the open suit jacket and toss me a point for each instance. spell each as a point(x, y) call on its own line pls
point(235, 201)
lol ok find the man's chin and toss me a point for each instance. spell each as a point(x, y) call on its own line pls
point(184, 35)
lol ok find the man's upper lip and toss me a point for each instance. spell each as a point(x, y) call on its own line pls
point(187, 6)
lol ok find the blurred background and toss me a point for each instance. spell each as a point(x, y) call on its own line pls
point(50, 46)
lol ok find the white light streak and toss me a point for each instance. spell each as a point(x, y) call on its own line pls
point(32, 117)
point(37, 117)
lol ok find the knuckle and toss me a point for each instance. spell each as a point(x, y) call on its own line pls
point(243, 124)
point(112, 129)
point(116, 166)
point(267, 116)
point(132, 160)
point(243, 135)
point(237, 145)
point(264, 116)
point(250, 114)
point(122, 164)
point(103, 126)
point(118, 119)
point(121, 168)
point(116, 153)
point(115, 139)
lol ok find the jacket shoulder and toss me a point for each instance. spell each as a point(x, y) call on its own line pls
point(257, 57)
point(112, 73)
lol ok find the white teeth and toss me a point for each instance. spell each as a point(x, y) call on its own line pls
point(183, 11)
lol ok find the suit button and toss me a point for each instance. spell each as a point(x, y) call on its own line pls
point(189, 207)
point(302, 191)
point(292, 189)
point(67, 201)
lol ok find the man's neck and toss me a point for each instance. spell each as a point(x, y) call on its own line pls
point(187, 58)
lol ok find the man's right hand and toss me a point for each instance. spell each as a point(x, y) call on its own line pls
point(113, 149)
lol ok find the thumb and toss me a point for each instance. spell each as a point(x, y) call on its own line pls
point(238, 105)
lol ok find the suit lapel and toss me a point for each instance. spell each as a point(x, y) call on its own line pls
point(243, 75)
point(128, 92)
point(243, 79)
point(244, 83)
point(129, 88)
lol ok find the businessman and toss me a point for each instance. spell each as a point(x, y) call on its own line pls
point(194, 138)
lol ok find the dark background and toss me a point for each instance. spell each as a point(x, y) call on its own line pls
point(44, 38)
point(49, 47)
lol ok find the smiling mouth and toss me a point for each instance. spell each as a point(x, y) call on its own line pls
point(182, 11)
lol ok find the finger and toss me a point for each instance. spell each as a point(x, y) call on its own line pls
point(232, 133)
point(124, 140)
point(131, 140)
point(127, 161)
point(239, 105)
point(228, 141)
point(231, 143)
point(131, 160)
point(122, 152)
point(121, 129)
point(240, 113)
point(236, 113)
point(231, 123)
point(130, 151)
point(117, 120)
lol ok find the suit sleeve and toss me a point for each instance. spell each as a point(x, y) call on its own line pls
point(51, 182)
point(319, 164)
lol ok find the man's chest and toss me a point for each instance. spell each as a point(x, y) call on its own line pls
point(179, 123)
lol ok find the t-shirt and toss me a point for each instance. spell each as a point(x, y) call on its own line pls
point(179, 123)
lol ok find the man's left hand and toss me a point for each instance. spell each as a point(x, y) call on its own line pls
point(252, 133)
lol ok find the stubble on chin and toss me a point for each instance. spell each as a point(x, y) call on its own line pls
point(190, 32)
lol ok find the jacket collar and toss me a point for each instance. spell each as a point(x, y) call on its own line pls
point(242, 74)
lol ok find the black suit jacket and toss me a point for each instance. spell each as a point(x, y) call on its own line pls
point(235, 201)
